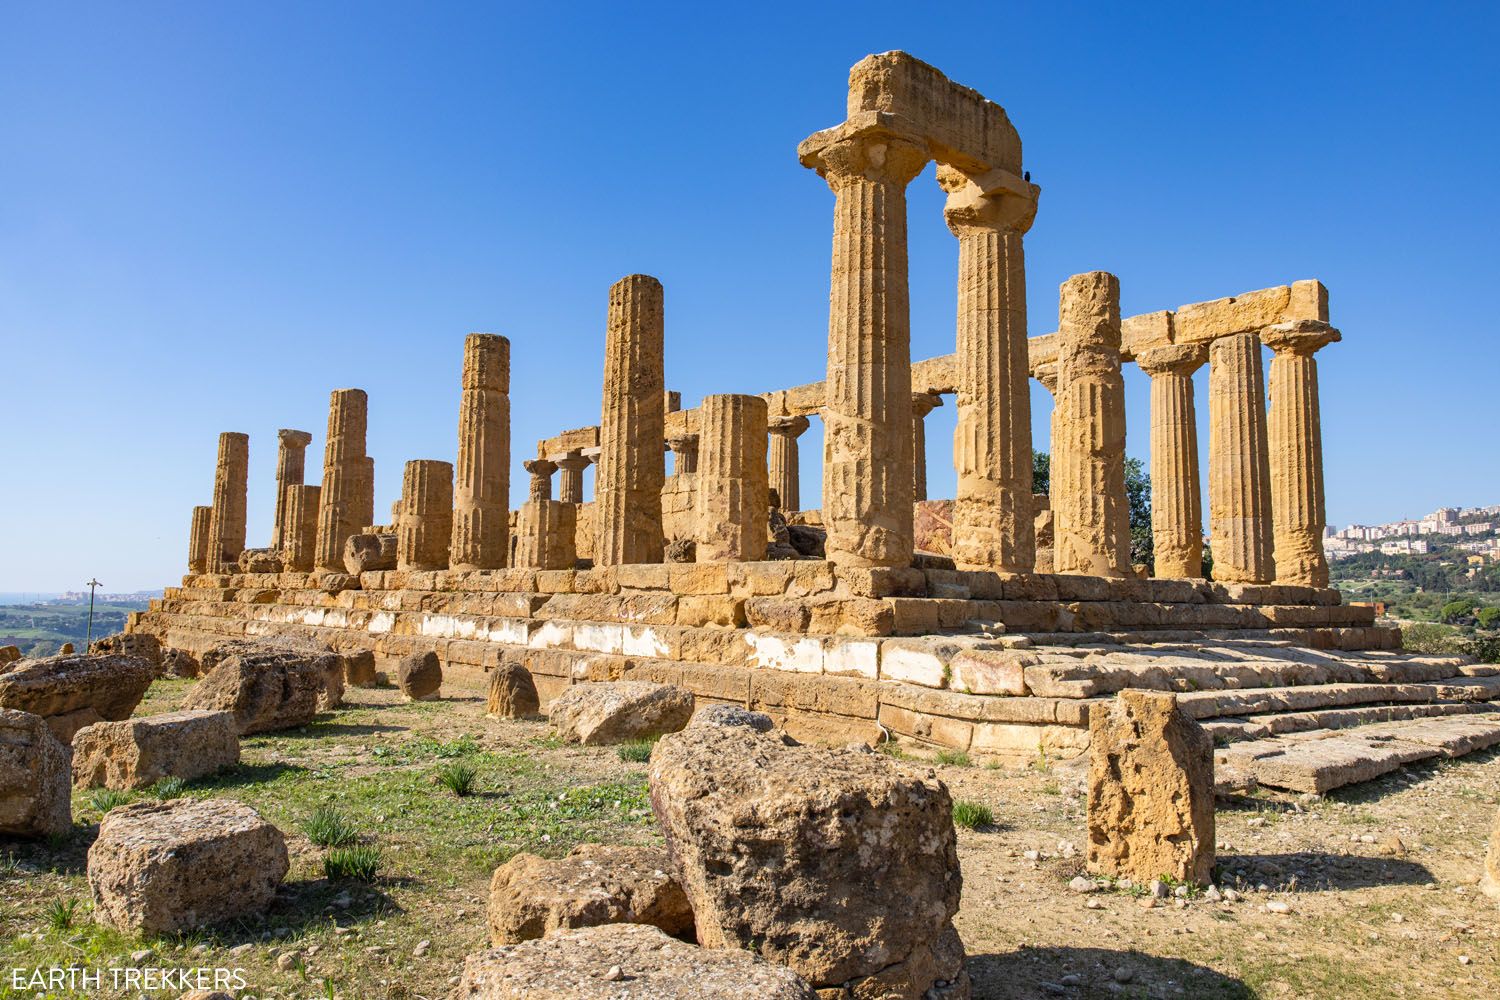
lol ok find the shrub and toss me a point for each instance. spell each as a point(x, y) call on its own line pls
point(1488, 617)
point(958, 758)
point(361, 863)
point(104, 799)
point(169, 788)
point(327, 827)
point(1456, 610)
point(458, 777)
point(61, 913)
point(974, 815)
point(636, 751)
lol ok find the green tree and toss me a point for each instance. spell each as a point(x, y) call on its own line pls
point(1456, 611)
point(1041, 472)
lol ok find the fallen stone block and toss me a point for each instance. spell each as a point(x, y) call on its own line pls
point(330, 664)
point(271, 689)
point(733, 715)
point(160, 867)
point(619, 711)
point(359, 669)
point(35, 790)
point(142, 644)
point(420, 676)
point(512, 693)
point(1321, 765)
point(371, 552)
point(142, 751)
point(76, 690)
point(596, 884)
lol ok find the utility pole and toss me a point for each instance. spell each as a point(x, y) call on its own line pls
point(93, 584)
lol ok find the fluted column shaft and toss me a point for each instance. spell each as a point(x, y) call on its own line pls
point(922, 403)
point(784, 461)
point(731, 506)
point(481, 488)
point(1296, 451)
point(570, 483)
point(226, 525)
point(1239, 476)
point(993, 526)
point(425, 528)
point(545, 535)
point(291, 468)
point(1176, 497)
point(198, 540)
point(1090, 509)
point(632, 467)
point(299, 539)
point(347, 501)
point(867, 445)
point(684, 448)
point(540, 486)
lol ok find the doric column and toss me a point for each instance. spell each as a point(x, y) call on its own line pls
point(347, 501)
point(299, 537)
point(426, 526)
point(632, 469)
point(226, 524)
point(481, 489)
point(291, 467)
point(732, 511)
point(992, 516)
point(198, 540)
point(545, 531)
point(922, 403)
point(540, 487)
point(1047, 375)
point(1296, 451)
point(867, 460)
point(1239, 475)
point(684, 448)
point(1176, 497)
point(1089, 505)
point(570, 483)
point(783, 460)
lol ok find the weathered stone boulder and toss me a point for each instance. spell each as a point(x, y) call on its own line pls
point(65, 649)
point(420, 676)
point(512, 692)
point(733, 715)
point(260, 561)
point(596, 884)
point(76, 690)
point(1151, 790)
point(142, 644)
point(179, 663)
point(266, 690)
point(370, 552)
point(359, 668)
point(160, 867)
point(35, 790)
point(142, 751)
point(837, 863)
point(330, 664)
point(619, 711)
point(624, 962)
point(9, 654)
point(337, 583)
point(809, 540)
point(1490, 881)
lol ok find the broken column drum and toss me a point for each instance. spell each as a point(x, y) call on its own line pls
point(426, 525)
point(733, 495)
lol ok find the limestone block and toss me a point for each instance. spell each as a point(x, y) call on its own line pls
point(260, 561)
point(35, 799)
point(575, 963)
point(771, 841)
point(420, 676)
point(141, 644)
point(370, 552)
point(426, 526)
point(138, 752)
point(76, 690)
point(265, 690)
point(546, 533)
point(988, 671)
point(359, 668)
point(161, 867)
point(1151, 791)
point(531, 897)
point(512, 692)
point(732, 715)
point(594, 714)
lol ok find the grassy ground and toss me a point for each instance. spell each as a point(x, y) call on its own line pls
point(1415, 852)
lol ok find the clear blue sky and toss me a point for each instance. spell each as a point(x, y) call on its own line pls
point(213, 214)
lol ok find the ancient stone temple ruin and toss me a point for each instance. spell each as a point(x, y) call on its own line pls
point(995, 633)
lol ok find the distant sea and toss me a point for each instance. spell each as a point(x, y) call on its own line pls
point(27, 596)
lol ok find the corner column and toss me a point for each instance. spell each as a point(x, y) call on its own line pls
point(733, 493)
point(784, 460)
point(1239, 474)
point(631, 470)
point(481, 511)
point(1090, 508)
point(1176, 496)
point(226, 525)
point(291, 468)
point(1296, 451)
point(425, 528)
point(347, 501)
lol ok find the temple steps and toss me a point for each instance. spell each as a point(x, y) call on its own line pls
point(1230, 729)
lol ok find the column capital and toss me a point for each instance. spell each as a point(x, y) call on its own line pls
point(1047, 375)
point(293, 439)
point(995, 201)
point(572, 461)
point(873, 145)
point(1303, 337)
point(679, 443)
point(923, 403)
point(792, 427)
point(539, 466)
point(1173, 359)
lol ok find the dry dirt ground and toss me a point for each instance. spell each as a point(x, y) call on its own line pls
point(1379, 880)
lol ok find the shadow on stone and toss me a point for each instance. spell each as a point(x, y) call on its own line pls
point(1084, 973)
point(1316, 871)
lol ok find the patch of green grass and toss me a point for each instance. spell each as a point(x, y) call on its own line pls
point(636, 751)
point(956, 758)
point(427, 748)
point(973, 815)
point(458, 777)
point(168, 788)
point(892, 749)
point(1051, 788)
point(61, 913)
point(327, 827)
point(360, 863)
point(102, 800)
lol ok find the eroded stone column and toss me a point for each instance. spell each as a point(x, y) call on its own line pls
point(733, 492)
point(198, 540)
point(299, 538)
point(684, 448)
point(1239, 476)
point(540, 486)
point(570, 483)
point(784, 461)
point(1296, 451)
point(1176, 496)
point(291, 468)
point(481, 489)
point(867, 460)
point(922, 403)
point(347, 501)
point(1090, 508)
point(992, 516)
point(632, 468)
point(545, 531)
point(226, 525)
point(426, 526)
